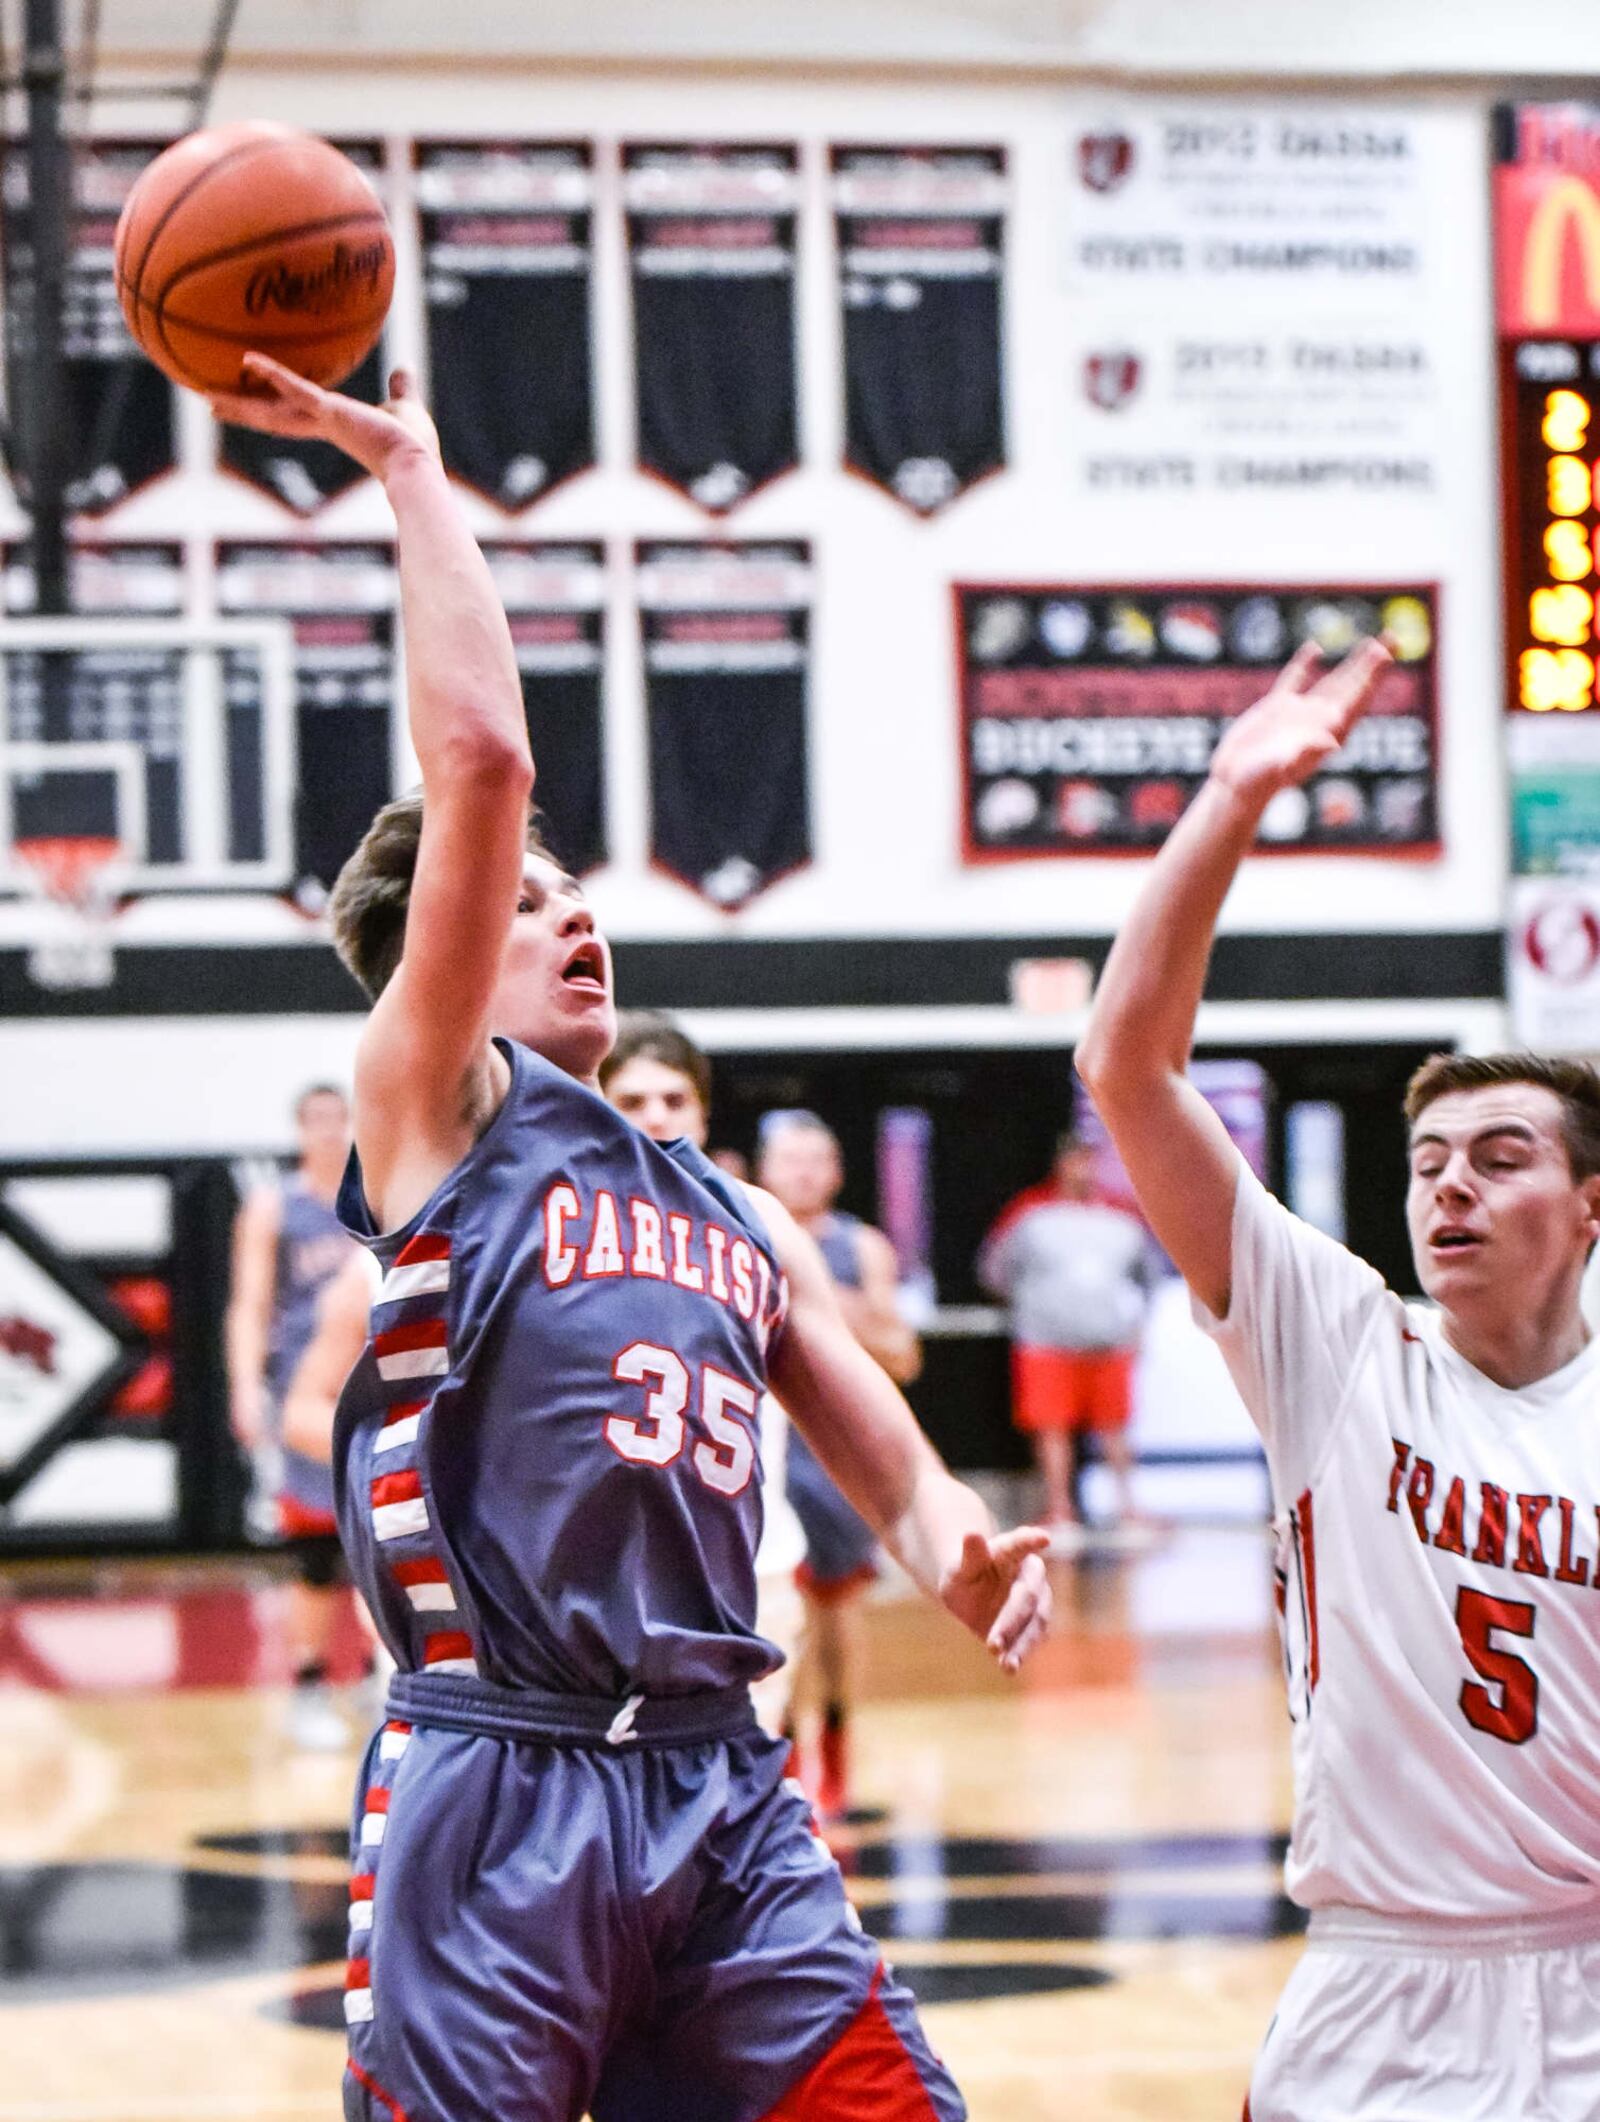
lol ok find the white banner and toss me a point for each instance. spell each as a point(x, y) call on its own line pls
point(1257, 299)
point(1553, 968)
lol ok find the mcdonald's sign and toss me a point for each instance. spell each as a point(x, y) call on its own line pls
point(1547, 230)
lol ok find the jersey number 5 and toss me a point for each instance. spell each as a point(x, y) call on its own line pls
point(725, 1457)
point(1509, 1707)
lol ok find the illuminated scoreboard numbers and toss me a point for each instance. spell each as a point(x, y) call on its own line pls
point(1569, 551)
point(1563, 615)
point(1555, 680)
point(1566, 421)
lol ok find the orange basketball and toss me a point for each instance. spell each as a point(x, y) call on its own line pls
point(253, 238)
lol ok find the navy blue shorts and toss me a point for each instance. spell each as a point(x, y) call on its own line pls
point(644, 1933)
point(841, 1547)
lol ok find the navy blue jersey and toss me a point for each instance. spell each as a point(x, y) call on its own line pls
point(546, 1457)
point(840, 1248)
point(312, 1247)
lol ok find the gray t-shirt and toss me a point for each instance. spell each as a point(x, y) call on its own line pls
point(1076, 1274)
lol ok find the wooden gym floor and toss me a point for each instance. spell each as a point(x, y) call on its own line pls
point(1078, 1873)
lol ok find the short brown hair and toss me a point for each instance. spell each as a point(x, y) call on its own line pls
point(655, 1037)
point(1575, 1083)
point(372, 893)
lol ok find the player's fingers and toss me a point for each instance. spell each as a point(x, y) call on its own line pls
point(402, 383)
point(1030, 1591)
point(1300, 672)
point(1350, 686)
point(1008, 1551)
point(1027, 1642)
point(262, 377)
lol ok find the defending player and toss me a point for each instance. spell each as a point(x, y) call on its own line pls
point(581, 1881)
point(1436, 1476)
point(800, 1165)
point(659, 1079)
point(288, 1243)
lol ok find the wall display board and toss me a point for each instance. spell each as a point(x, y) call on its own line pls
point(119, 408)
point(506, 288)
point(1547, 310)
point(711, 244)
point(726, 649)
point(554, 597)
point(1256, 297)
point(340, 601)
point(305, 476)
point(1089, 714)
point(921, 237)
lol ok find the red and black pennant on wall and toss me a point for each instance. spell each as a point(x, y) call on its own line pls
point(306, 476)
point(726, 649)
point(340, 600)
point(119, 412)
point(506, 285)
point(921, 235)
point(554, 597)
point(711, 239)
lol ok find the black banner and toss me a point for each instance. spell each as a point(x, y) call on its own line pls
point(554, 597)
point(506, 281)
point(726, 647)
point(306, 476)
point(1089, 715)
point(119, 408)
point(341, 601)
point(921, 235)
point(711, 238)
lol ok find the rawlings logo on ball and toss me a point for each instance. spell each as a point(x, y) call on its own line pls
point(323, 288)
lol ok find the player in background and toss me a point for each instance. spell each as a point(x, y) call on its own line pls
point(1075, 1273)
point(659, 1079)
point(799, 1163)
point(1436, 1474)
point(581, 1881)
point(288, 1243)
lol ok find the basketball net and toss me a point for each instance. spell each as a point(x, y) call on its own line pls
point(70, 873)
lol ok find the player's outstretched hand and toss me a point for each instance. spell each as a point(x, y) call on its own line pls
point(1304, 720)
point(274, 400)
point(1000, 1591)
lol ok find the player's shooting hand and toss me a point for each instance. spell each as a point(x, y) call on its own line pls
point(998, 1589)
point(1303, 721)
point(275, 401)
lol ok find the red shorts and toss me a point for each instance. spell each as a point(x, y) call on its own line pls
point(1068, 1388)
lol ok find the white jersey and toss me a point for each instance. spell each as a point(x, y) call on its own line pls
point(1439, 1556)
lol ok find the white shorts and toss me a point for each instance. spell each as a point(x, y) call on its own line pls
point(1391, 2020)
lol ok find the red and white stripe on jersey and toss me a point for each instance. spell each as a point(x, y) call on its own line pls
point(417, 1348)
point(393, 1740)
point(421, 1269)
point(399, 1507)
point(450, 1651)
point(374, 1817)
point(426, 1585)
point(400, 1426)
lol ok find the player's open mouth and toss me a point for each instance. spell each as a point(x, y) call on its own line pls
point(586, 967)
point(1454, 1241)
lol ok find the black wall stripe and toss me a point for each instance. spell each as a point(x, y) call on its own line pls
point(883, 972)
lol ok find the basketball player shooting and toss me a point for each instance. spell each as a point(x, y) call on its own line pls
point(1435, 1474)
point(580, 1880)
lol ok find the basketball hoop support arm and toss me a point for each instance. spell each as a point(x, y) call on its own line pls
point(49, 209)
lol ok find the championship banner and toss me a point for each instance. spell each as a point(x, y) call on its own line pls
point(340, 600)
point(106, 693)
point(711, 243)
point(306, 476)
point(726, 647)
point(120, 422)
point(1260, 299)
point(506, 290)
point(1547, 280)
point(1089, 714)
point(555, 597)
point(921, 234)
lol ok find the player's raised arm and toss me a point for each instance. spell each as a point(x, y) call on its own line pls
point(860, 1427)
point(1134, 1057)
point(425, 1075)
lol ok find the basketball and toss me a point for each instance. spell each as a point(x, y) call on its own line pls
point(253, 237)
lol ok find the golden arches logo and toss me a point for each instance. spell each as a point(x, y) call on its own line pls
point(1569, 207)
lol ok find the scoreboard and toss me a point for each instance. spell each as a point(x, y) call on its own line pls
point(1547, 275)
